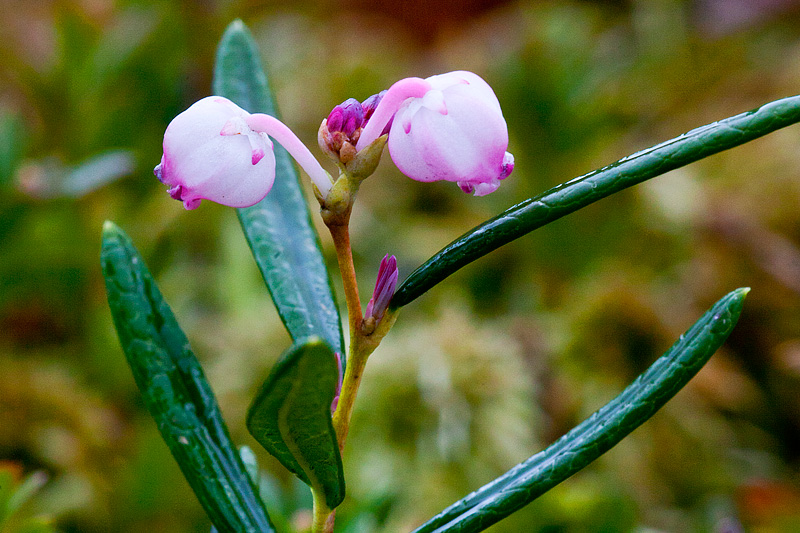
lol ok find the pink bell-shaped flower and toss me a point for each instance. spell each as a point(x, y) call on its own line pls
point(446, 127)
point(201, 164)
point(217, 151)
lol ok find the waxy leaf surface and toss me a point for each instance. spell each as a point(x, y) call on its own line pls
point(600, 432)
point(291, 417)
point(589, 188)
point(175, 390)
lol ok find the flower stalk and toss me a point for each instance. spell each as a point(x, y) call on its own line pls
point(365, 334)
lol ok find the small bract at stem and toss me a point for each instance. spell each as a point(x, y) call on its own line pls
point(384, 290)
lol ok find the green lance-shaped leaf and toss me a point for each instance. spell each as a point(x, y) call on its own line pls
point(600, 432)
point(279, 229)
point(584, 190)
point(175, 390)
point(291, 417)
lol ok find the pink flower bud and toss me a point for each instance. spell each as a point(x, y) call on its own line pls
point(446, 127)
point(199, 163)
point(384, 288)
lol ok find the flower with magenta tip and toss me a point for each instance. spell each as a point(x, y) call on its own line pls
point(446, 127)
point(217, 151)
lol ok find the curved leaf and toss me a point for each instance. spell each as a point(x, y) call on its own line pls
point(584, 190)
point(279, 228)
point(600, 432)
point(175, 390)
point(291, 417)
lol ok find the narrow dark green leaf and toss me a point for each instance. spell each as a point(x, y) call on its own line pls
point(279, 228)
point(584, 190)
point(291, 417)
point(175, 390)
point(600, 432)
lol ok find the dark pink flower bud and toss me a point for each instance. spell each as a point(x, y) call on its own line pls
point(346, 117)
point(371, 103)
point(369, 106)
point(384, 288)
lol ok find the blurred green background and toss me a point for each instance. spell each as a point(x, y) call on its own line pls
point(490, 366)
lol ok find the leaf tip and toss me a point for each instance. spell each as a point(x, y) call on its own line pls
point(743, 291)
point(235, 28)
point(111, 234)
point(736, 298)
point(109, 227)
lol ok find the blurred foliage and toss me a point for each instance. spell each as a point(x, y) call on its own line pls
point(15, 494)
point(491, 365)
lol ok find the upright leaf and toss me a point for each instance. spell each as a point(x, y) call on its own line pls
point(279, 228)
point(175, 390)
point(584, 190)
point(600, 432)
point(291, 417)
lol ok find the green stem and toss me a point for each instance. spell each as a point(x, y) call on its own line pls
point(347, 397)
point(323, 516)
point(357, 359)
point(336, 209)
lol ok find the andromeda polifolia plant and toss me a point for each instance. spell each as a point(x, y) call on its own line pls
point(232, 149)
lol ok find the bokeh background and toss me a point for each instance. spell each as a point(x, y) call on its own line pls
point(488, 367)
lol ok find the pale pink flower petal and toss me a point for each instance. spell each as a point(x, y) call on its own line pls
point(446, 127)
point(199, 163)
point(456, 134)
point(217, 151)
